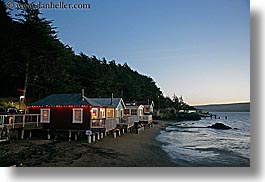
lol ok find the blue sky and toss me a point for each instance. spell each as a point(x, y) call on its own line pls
point(195, 48)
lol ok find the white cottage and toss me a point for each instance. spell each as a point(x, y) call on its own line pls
point(132, 109)
point(141, 111)
point(148, 106)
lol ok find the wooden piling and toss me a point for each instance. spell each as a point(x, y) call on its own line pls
point(30, 134)
point(22, 134)
point(89, 139)
point(75, 136)
point(48, 134)
point(70, 135)
point(7, 134)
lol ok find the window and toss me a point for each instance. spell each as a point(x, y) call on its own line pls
point(102, 113)
point(126, 112)
point(110, 113)
point(45, 115)
point(94, 113)
point(78, 115)
point(134, 112)
point(147, 109)
point(121, 113)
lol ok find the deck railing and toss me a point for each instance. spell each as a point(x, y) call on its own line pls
point(146, 118)
point(105, 123)
point(129, 120)
point(98, 123)
point(20, 120)
point(111, 123)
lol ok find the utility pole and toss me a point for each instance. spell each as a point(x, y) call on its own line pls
point(23, 100)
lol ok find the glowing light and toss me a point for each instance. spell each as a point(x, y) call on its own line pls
point(59, 106)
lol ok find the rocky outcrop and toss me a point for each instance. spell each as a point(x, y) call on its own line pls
point(219, 126)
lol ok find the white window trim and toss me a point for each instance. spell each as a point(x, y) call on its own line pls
point(77, 109)
point(41, 114)
point(104, 111)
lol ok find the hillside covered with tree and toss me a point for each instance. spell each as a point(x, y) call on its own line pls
point(33, 59)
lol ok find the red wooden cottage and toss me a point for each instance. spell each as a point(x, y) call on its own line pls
point(67, 112)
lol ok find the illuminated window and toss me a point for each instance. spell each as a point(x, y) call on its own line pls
point(134, 112)
point(102, 113)
point(78, 115)
point(110, 113)
point(45, 115)
point(94, 113)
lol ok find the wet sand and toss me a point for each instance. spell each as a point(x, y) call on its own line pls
point(128, 150)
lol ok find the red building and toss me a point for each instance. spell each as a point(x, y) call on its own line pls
point(64, 111)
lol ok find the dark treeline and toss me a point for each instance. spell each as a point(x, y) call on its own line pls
point(31, 53)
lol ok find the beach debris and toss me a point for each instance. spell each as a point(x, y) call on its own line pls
point(219, 126)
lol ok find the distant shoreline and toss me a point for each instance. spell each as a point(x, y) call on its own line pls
point(234, 107)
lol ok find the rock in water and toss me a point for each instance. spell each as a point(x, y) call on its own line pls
point(219, 126)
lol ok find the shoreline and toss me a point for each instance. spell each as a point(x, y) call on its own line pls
point(141, 150)
point(128, 150)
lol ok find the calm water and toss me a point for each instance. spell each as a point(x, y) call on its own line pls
point(206, 146)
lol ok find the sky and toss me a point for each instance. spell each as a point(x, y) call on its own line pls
point(199, 49)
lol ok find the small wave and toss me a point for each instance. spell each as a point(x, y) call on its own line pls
point(180, 130)
point(223, 152)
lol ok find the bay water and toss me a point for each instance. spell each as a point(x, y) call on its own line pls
point(202, 147)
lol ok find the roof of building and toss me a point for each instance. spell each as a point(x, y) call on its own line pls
point(64, 100)
point(138, 103)
point(148, 103)
point(107, 101)
point(130, 103)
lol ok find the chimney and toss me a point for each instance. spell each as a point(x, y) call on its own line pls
point(83, 95)
point(111, 99)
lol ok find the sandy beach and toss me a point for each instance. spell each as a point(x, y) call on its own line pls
point(128, 150)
